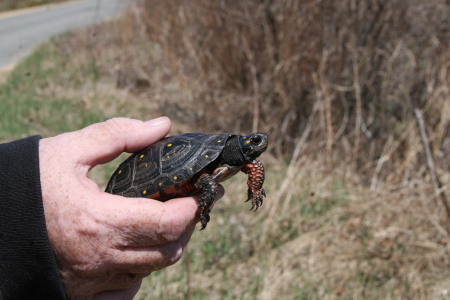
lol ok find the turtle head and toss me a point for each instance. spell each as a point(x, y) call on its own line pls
point(253, 145)
point(242, 149)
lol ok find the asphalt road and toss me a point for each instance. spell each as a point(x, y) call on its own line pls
point(21, 31)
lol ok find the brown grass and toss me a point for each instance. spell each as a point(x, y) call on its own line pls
point(335, 85)
point(360, 67)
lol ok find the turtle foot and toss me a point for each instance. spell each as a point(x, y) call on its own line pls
point(256, 197)
point(209, 189)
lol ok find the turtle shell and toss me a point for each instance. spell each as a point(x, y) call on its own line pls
point(166, 165)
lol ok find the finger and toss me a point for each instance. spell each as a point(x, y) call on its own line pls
point(123, 294)
point(148, 259)
point(145, 222)
point(102, 142)
point(148, 222)
point(113, 285)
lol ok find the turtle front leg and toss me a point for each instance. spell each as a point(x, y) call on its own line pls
point(256, 193)
point(208, 187)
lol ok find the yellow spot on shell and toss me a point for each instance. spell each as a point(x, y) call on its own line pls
point(248, 142)
point(169, 145)
point(160, 184)
point(219, 141)
point(206, 155)
point(142, 155)
point(120, 172)
point(175, 177)
point(190, 169)
point(144, 192)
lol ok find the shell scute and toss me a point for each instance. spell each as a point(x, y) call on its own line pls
point(165, 167)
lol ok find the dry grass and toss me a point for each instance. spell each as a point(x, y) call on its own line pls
point(353, 214)
point(351, 211)
point(360, 67)
point(328, 240)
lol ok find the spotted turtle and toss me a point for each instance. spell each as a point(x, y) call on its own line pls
point(192, 163)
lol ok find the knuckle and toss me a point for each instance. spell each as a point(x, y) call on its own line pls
point(114, 126)
point(171, 226)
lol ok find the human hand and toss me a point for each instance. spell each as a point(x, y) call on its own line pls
point(105, 242)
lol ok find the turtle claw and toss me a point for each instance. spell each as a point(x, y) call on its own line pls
point(203, 226)
point(256, 197)
point(204, 219)
point(254, 207)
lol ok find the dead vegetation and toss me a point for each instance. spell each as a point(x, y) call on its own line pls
point(352, 211)
point(335, 84)
point(360, 67)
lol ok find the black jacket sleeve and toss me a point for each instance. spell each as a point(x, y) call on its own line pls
point(28, 268)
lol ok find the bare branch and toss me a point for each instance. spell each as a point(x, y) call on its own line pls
point(431, 167)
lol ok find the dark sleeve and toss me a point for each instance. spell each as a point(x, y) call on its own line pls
point(28, 267)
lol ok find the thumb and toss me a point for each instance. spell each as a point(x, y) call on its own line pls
point(102, 142)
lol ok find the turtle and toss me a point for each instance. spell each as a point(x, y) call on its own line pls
point(192, 163)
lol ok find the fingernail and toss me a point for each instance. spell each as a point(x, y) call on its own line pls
point(157, 121)
point(176, 256)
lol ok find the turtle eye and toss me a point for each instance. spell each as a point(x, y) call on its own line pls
point(256, 139)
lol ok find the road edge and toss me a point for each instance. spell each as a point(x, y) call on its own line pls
point(5, 70)
point(20, 11)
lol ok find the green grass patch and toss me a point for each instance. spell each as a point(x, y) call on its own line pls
point(26, 108)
